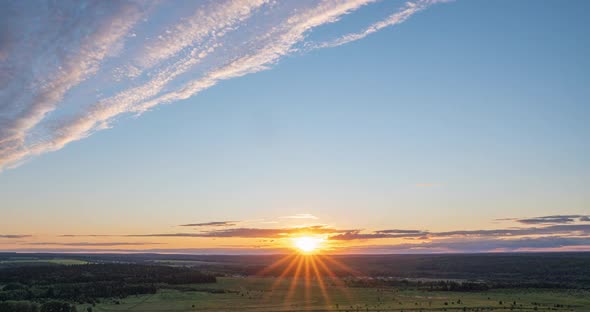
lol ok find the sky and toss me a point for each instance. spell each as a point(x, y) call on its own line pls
point(235, 126)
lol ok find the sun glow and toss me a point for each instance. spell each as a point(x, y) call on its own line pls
point(307, 244)
point(308, 269)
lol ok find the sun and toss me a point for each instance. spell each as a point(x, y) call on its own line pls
point(307, 244)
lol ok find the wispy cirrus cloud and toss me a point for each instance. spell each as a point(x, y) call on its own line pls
point(359, 235)
point(545, 237)
point(578, 229)
point(67, 50)
point(550, 237)
point(566, 229)
point(480, 245)
point(210, 21)
point(553, 229)
point(409, 9)
point(87, 235)
point(251, 232)
point(46, 61)
point(211, 224)
point(554, 219)
point(234, 232)
point(89, 244)
point(336, 234)
point(14, 236)
point(300, 216)
point(396, 231)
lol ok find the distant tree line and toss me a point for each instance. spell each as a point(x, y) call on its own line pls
point(27, 306)
point(80, 292)
point(511, 270)
point(441, 285)
point(450, 285)
point(87, 273)
point(444, 285)
point(535, 270)
point(89, 282)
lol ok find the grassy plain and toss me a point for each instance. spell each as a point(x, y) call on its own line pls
point(272, 294)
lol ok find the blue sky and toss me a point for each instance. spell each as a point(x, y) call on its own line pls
point(465, 113)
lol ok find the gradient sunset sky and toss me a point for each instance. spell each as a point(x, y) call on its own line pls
point(234, 126)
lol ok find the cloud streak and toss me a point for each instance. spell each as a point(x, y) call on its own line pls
point(13, 236)
point(92, 31)
point(208, 22)
point(479, 245)
point(301, 216)
point(95, 244)
point(555, 219)
point(569, 229)
point(211, 224)
point(251, 232)
point(546, 237)
point(409, 9)
point(159, 63)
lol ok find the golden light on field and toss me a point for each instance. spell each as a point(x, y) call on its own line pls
point(307, 244)
point(310, 268)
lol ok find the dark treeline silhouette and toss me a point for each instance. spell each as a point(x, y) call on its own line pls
point(522, 270)
point(130, 273)
point(569, 270)
point(87, 283)
point(80, 292)
point(27, 306)
point(451, 285)
point(441, 285)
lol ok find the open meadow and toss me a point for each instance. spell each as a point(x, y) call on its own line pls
point(269, 294)
point(295, 282)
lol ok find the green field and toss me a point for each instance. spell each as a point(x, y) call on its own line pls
point(259, 294)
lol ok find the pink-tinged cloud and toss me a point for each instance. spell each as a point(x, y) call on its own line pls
point(113, 45)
